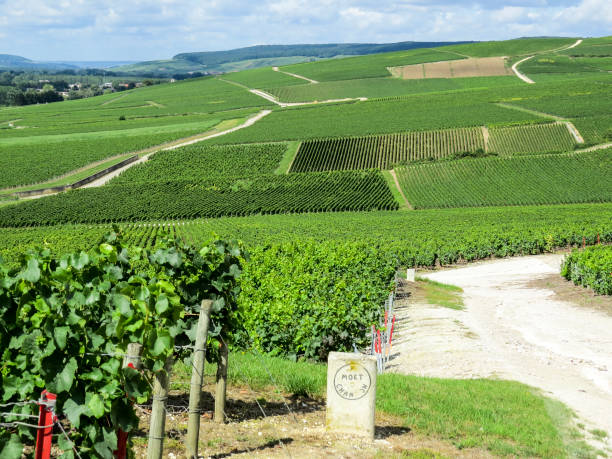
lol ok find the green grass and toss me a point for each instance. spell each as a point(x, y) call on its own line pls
point(521, 180)
point(448, 296)
point(502, 417)
point(288, 157)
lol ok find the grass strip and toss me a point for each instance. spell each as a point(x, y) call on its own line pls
point(504, 417)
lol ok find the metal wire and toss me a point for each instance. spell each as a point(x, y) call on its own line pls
point(24, 424)
point(68, 438)
point(19, 415)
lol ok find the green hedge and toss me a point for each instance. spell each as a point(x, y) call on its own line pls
point(591, 267)
point(309, 298)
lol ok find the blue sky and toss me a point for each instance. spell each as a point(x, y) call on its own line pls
point(159, 29)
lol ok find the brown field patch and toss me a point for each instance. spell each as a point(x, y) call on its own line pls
point(462, 68)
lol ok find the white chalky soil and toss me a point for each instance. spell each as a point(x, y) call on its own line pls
point(509, 330)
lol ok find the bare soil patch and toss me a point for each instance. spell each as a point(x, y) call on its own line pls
point(247, 433)
point(462, 68)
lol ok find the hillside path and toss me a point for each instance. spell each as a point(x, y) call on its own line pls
point(514, 327)
point(295, 75)
point(273, 99)
point(524, 77)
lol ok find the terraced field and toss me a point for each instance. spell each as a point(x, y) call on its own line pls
point(383, 152)
point(316, 192)
point(521, 180)
point(537, 138)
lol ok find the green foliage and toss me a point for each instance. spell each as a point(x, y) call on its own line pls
point(591, 267)
point(204, 162)
point(262, 78)
point(27, 161)
point(384, 151)
point(383, 87)
point(536, 138)
point(315, 192)
point(421, 238)
point(520, 180)
point(383, 116)
point(66, 324)
point(515, 47)
point(309, 298)
point(371, 66)
point(595, 129)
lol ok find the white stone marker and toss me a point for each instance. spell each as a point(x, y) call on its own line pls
point(351, 393)
point(410, 275)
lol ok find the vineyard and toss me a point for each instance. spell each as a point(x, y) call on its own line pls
point(383, 87)
point(316, 192)
point(383, 152)
point(203, 162)
point(421, 238)
point(537, 138)
point(591, 267)
point(521, 180)
point(36, 159)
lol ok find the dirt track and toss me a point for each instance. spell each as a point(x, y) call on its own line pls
point(513, 329)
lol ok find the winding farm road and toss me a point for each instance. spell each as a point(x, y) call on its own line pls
point(273, 99)
point(103, 180)
point(513, 329)
point(524, 77)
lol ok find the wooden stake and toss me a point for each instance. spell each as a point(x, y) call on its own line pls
point(157, 428)
point(221, 383)
point(197, 379)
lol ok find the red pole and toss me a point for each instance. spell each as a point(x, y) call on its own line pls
point(392, 326)
point(122, 437)
point(597, 238)
point(583, 242)
point(46, 418)
point(378, 340)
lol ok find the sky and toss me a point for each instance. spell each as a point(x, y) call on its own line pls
point(137, 30)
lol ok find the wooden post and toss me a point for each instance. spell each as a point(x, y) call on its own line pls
point(221, 382)
point(132, 359)
point(197, 379)
point(158, 411)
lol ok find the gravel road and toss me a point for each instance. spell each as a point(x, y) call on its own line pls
point(511, 330)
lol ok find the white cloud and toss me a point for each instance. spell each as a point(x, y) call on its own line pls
point(156, 29)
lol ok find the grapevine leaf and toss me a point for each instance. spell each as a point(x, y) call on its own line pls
point(106, 248)
point(161, 305)
point(61, 334)
point(123, 303)
point(73, 411)
point(32, 271)
point(162, 344)
point(96, 405)
point(12, 449)
point(63, 381)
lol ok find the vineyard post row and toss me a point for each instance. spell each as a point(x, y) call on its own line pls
point(132, 359)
